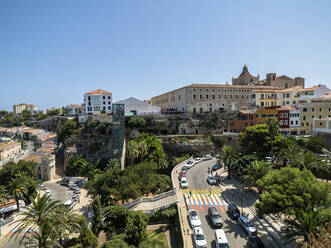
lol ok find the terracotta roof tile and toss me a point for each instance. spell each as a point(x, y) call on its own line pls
point(98, 92)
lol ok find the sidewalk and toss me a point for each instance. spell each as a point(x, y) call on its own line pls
point(186, 229)
point(266, 226)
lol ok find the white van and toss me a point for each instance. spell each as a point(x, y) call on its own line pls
point(69, 204)
point(220, 239)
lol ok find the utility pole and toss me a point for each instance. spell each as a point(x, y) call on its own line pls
point(241, 200)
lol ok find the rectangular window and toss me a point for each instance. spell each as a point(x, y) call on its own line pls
point(206, 96)
point(108, 97)
point(201, 110)
point(285, 122)
point(285, 115)
point(213, 96)
point(312, 109)
point(281, 115)
point(178, 98)
point(296, 122)
point(287, 102)
point(200, 96)
point(109, 103)
point(291, 122)
point(109, 108)
point(193, 96)
point(194, 110)
point(104, 103)
point(287, 95)
point(281, 122)
point(304, 109)
point(103, 97)
point(304, 117)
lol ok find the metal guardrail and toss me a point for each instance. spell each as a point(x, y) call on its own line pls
point(149, 199)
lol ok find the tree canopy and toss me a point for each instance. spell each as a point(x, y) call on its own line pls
point(289, 190)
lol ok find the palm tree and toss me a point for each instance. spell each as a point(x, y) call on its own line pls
point(306, 225)
point(255, 171)
point(17, 189)
point(305, 160)
point(273, 132)
point(51, 219)
point(226, 156)
point(3, 195)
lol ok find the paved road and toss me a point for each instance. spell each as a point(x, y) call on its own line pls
point(197, 179)
point(59, 192)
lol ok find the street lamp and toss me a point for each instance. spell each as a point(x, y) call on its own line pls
point(241, 200)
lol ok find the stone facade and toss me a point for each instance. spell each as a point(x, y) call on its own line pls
point(9, 149)
point(317, 108)
point(206, 98)
point(283, 82)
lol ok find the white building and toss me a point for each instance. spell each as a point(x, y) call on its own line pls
point(72, 110)
point(294, 118)
point(313, 92)
point(96, 101)
point(19, 108)
point(133, 106)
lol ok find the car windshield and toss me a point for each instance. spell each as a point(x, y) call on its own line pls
point(200, 237)
point(216, 215)
point(224, 246)
point(184, 181)
point(249, 224)
point(194, 215)
point(189, 162)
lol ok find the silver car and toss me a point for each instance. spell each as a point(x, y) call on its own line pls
point(194, 218)
point(248, 226)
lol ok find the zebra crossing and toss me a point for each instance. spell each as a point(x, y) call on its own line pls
point(202, 199)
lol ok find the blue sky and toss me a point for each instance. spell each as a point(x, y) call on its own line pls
point(52, 52)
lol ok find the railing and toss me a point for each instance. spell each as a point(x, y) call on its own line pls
point(149, 199)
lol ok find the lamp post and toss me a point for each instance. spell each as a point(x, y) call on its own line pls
point(241, 201)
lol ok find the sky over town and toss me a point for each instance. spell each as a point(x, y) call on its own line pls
point(52, 52)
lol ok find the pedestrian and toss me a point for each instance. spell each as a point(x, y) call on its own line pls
point(208, 170)
point(190, 193)
point(209, 191)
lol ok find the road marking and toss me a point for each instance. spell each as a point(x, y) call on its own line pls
point(202, 199)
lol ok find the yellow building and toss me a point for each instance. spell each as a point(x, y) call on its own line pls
point(317, 108)
point(262, 115)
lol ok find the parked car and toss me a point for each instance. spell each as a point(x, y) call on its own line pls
point(207, 157)
point(73, 186)
point(190, 164)
point(194, 218)
point(211, 180)
point(48, 193)
point(233, 210)
point(77, 191)
point(183, 183)
point(181, 174)
point(42, 187)
point(248, 226)
point(216, 167)
point(80, 182)
point(184, 169)
point(220, 239)
point(69, 204)
point(255, 242)
point(199, 238)
point(197, 160)
point(215, 217)
point(64, 182)
point(75, 198)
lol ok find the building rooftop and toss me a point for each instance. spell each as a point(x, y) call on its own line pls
point(34, 158)
point(5, 145)
point(98, 92)
point(310, 89)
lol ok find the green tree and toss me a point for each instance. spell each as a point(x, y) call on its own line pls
point(315, 144)
point(289, 190)
point(306, 224)
point(240, 164)
point(153, 243)
point(117, 241)
point(137, 122)
point(48, 216)
point(255, 171)
point(3, 195)
point(97, 217)
point(86, 238)
point(136, 227)
point(17, 190)
point(226, 156)
point(115, 219)
point(261, 139)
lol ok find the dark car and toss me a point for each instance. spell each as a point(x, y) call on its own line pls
point(216, 167)
point(255, 242)
point(234, 211)
point(215, 217)
point(184, 169)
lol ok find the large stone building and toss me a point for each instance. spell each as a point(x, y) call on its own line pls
point(311, 109)
point(202, 98)
point(246, 91)
point(283, 82)
point(19, 108)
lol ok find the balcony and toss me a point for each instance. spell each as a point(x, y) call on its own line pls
point(268, 97)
